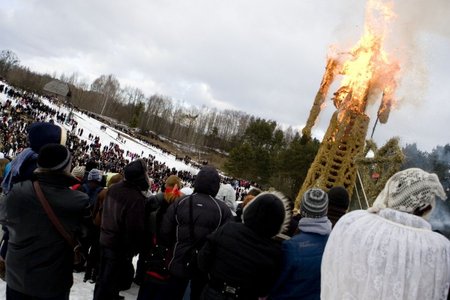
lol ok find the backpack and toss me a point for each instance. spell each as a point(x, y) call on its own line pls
point(158, 257)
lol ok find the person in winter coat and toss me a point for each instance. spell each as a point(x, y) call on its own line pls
point(98, 208)
point(92, 186)
point(227, 194)
point(252, 193)
point(91, 246)
point(154, 281)
point(93, 260)
point(302, 254)
point(122, 231)
point(390, 251)
point(21, 168)
point(39, 259)
point(242, 260)
point(185, 226)
point(78, 172)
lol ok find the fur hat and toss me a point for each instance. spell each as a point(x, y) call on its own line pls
point(207, 181)
point(314, 204)
point(94, 175)
point(410, 190)
point(268, 214)
point(53, 157)
point(136, 173)
point(78, 171)
point(41, 133)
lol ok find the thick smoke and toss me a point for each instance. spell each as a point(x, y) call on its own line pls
point(417, 24)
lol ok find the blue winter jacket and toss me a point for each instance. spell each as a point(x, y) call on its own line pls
point(302, 257)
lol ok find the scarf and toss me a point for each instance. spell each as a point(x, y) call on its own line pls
point(16, 164)
point(320, 226)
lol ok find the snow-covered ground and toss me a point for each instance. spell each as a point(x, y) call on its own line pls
point(80, 289)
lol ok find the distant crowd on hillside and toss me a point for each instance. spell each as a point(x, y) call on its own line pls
point(23, 108)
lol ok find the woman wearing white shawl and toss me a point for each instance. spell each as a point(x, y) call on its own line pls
point(389, 251)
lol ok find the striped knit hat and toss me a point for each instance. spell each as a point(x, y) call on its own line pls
point(314, 204)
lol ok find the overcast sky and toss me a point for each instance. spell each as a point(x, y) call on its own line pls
point(263, 57)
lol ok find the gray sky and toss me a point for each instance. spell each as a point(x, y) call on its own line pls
point(263, 57)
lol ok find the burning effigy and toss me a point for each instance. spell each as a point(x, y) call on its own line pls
point(367, 75)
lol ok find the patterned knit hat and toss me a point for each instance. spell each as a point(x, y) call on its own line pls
point(78, 171)
point(410, 190)
point(94, 175)
point(314, 204)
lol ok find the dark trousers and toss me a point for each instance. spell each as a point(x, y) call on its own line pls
point(152, 290)
point(15, 295)
point(115, 274)
point(93, 258)
point(177, 286)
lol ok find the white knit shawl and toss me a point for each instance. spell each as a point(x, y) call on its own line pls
point(386, 255)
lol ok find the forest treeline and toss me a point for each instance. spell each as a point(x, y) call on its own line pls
point(257, 149)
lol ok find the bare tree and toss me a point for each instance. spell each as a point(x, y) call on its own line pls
point(8, 60)
point(108, 86)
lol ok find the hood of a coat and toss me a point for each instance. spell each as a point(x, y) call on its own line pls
point(207, 181)
point(267, 214)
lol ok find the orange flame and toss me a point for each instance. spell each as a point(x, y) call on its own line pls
point(367, 67)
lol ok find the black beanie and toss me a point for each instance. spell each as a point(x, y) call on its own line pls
point(265, 214)
point(338, 197)
point(53, 157)
point(136, 173)
point(40, 134)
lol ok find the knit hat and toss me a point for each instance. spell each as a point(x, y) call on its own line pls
point(338, 201)
point(78, 171)
point(136, 173)
point(410, 190)
point(53, 157)
point(267, 214)
point(40, 134)
point(314, 204)
point(94, 175)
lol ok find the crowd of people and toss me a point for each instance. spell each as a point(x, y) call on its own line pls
point(63, 214)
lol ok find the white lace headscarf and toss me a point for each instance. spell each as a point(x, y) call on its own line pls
point(409, 190)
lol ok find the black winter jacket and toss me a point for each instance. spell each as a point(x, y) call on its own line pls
point(122, 228)
point(39, 260)
point(235, 254)
point(208, 215)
